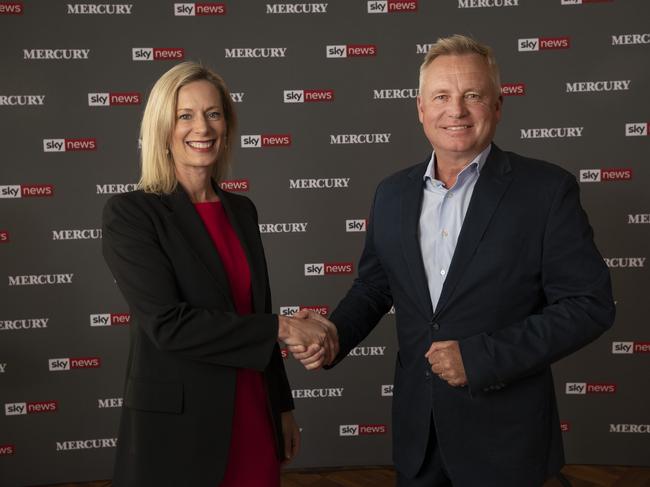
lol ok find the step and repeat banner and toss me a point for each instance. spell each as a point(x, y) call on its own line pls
point(325, 94)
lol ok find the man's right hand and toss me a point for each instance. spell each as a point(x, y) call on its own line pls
point(315, 355)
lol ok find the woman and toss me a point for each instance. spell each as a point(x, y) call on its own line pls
point(206, 400)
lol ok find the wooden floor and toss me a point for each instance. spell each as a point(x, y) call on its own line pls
point(578, 475)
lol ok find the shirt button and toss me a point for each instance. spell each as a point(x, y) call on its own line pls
point(443, 272)
point(427, 374)
point(445, 233)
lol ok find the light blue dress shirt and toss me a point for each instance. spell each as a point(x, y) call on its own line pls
point(441, 218)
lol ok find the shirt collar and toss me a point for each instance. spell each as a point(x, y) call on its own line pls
point(478, 162)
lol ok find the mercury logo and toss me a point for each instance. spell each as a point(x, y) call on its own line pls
point(321, 309)
point(565, 427)
point(597, 86)
point(100, 9)
point(192, 9)
point(395, 94)
point(83, 234)
point(111, 402)
point(110, 319)
point(266, 140)
point(638, 218)
point(3, 367)
point(20, 408)
point(362, 429)
point(551, 133)
point(629, 428)
point(23, 324)
point(40, 279)
point(157, 53)
point(625, 262)
point(543, 43)
point(581, 388)
point(329, 268)
point(323, 183)
point(56, 54)
point(636, 129)
point(4, 236)
point(336, 139)
point(61, 364)
point(7, 449)
point(86, 444)
point(307, 96)
point(26, 190)
point(115, 188)
point(580, 2)
point(350, 50)
point(487, 3)
point(11, 8)
point(283, 227)
point(317, 393)
point(630, 347)
point(630, 39)
point(387, 390)
point(235, 185)
point(69, 145)
point(255, 52)
point(355, 225)
point(367, 352)
point(392, 6)
point(22, 100)
point(605, 175)
point(513, 89)
point(296, 8)
point(422, 48)
point(113, 99)
point(237, 97)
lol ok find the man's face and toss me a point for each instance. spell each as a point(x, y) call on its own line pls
point(458, 106)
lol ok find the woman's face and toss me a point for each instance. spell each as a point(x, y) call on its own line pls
point(200, 129)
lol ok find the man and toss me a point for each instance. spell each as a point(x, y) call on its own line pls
point(489, 260)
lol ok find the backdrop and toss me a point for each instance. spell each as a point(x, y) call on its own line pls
point(325, 93)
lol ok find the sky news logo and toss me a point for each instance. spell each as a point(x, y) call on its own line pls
point(22, 100)
point(27, 191)
point(110, 319)
point(513, 89)
point(195, 9)
point(11, 8)
point(543, 43)
point(20, 408)
point(113, 99)
point(630, 347)
point(157, 53)
point(235, 185)
point(4, 236)
point(580, 388)
point(327, 269)
point(565, 426)
point(321, 309)
point(307, 96)
point(69, 145)
point(362, 429)
point(61, 364)
point(636, 129)
point(265, 140)
point(605, 175)
point(392, 6)
point(350, 50)
point(7, 449)
point(387, 390)
point(355, 225)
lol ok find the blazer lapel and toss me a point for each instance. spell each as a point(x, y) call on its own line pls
point(492, 183)
point(412, 195)
point(185, 217)
point(247, 232)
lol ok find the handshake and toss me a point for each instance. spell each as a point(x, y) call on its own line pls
point(310, 337)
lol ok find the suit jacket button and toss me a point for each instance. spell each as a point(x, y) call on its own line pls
point(435, 326)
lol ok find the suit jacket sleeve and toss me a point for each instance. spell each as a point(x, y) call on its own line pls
point(579, 305)
point(145, 275)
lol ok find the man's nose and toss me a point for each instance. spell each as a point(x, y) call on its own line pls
point(457, 107)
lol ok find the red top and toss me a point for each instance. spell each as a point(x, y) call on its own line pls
point(252, 460)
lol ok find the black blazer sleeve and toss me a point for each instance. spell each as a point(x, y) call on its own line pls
point(134, 248)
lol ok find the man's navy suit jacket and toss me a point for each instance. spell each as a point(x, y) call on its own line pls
point(526, 287)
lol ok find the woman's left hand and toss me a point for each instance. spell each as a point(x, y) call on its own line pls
point(291, 434)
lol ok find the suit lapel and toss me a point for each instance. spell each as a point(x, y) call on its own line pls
point(412, 195)
point(492, 183)
point(185, 217)
point(247, 233)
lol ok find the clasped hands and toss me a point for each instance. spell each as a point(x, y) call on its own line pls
point(310, 337)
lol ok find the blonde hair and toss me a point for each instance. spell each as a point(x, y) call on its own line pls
point(458, 45)
point(158, 121)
